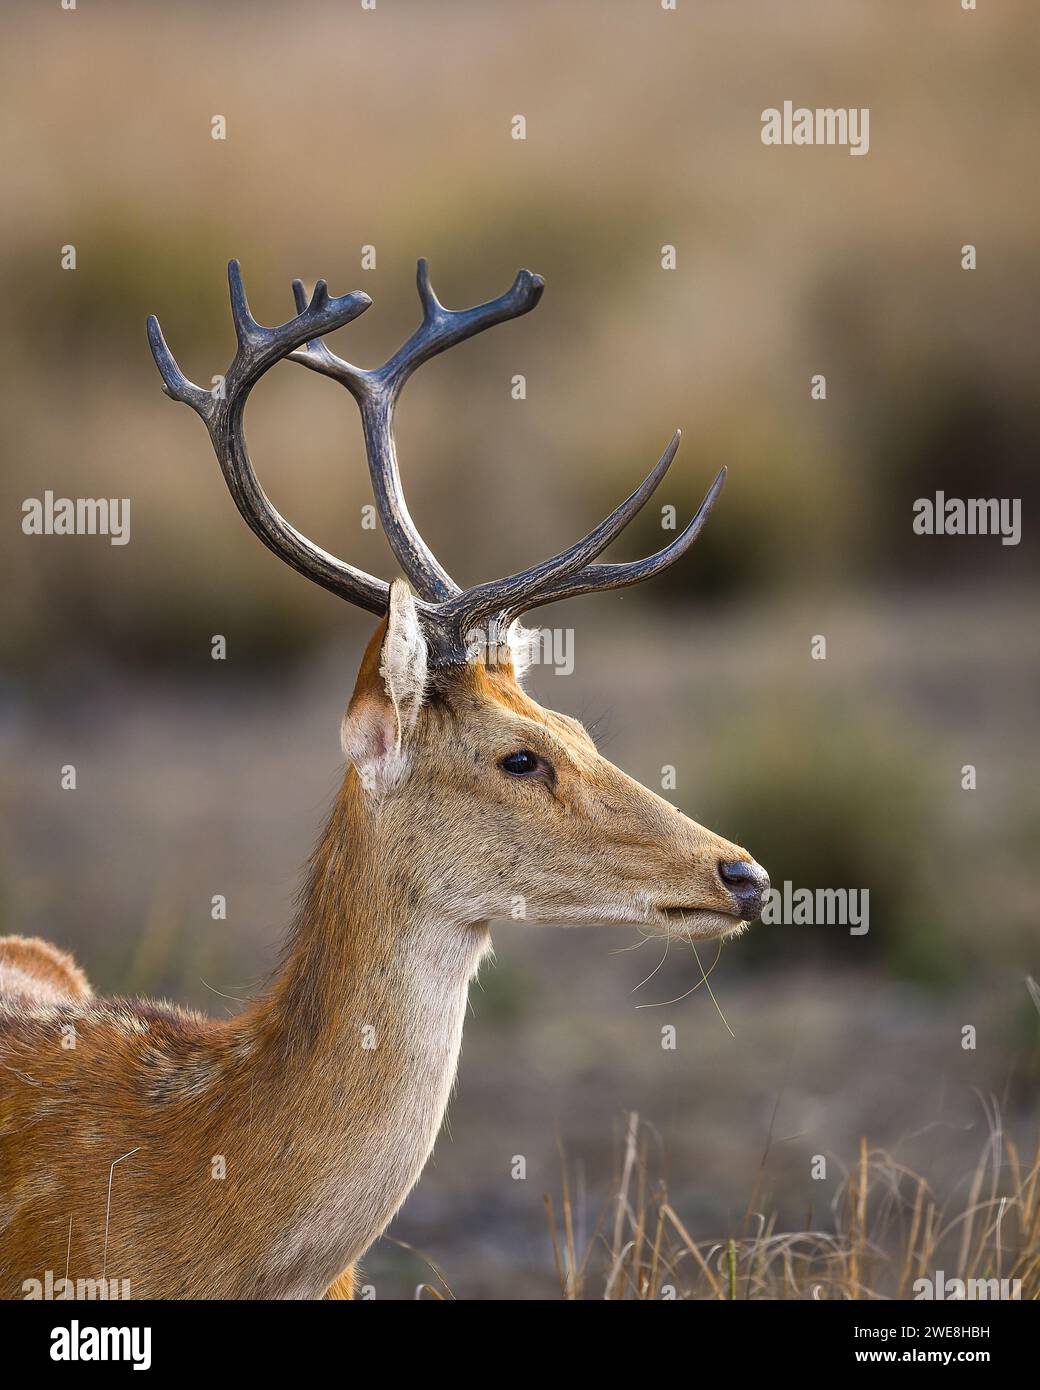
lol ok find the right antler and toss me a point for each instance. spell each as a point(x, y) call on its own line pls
point(450, 615)
point(376, 393)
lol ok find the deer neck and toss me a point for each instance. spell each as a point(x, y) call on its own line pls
point(357, 1044)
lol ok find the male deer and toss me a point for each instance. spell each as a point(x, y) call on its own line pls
point(260, 1156)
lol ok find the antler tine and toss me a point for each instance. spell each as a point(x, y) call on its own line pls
point(440, 329)
point(443, 328)
point(315, 351)
point(259, 348)
point(594, 578)
point(501, 595)
point(376, 393)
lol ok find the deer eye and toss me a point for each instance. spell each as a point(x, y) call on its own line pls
point(521, 764)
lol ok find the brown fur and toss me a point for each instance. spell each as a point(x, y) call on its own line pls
point(38, 971)
point(116, 1114)
point(343, 1287)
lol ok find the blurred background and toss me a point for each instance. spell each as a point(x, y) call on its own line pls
point(392, 129)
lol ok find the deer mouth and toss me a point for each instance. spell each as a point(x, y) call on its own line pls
point(701, 921)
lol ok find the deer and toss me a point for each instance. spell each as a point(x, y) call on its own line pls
point(259, 1156)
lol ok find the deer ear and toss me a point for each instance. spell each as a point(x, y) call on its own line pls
point(385, 706)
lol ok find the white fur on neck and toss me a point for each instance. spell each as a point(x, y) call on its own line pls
point(375, 1162)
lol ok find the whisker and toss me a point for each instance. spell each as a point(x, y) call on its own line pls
point(708, 987)
point(643, 939)
point(667, 943)
point(702, 981)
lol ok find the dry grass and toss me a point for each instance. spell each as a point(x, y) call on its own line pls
point(885, 1229)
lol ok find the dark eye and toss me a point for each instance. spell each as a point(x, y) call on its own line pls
point(521, 764)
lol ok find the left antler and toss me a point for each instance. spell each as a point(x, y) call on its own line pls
point(258, 350)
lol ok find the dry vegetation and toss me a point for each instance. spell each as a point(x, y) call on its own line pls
point(885, 1229)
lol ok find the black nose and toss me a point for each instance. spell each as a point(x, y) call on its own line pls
point(748, 884)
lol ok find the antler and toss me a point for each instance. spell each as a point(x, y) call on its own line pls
point(376, 393)
point(450, 615)
point(221, 409)
point(568, 583)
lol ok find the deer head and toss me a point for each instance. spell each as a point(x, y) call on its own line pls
point(491, 805)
